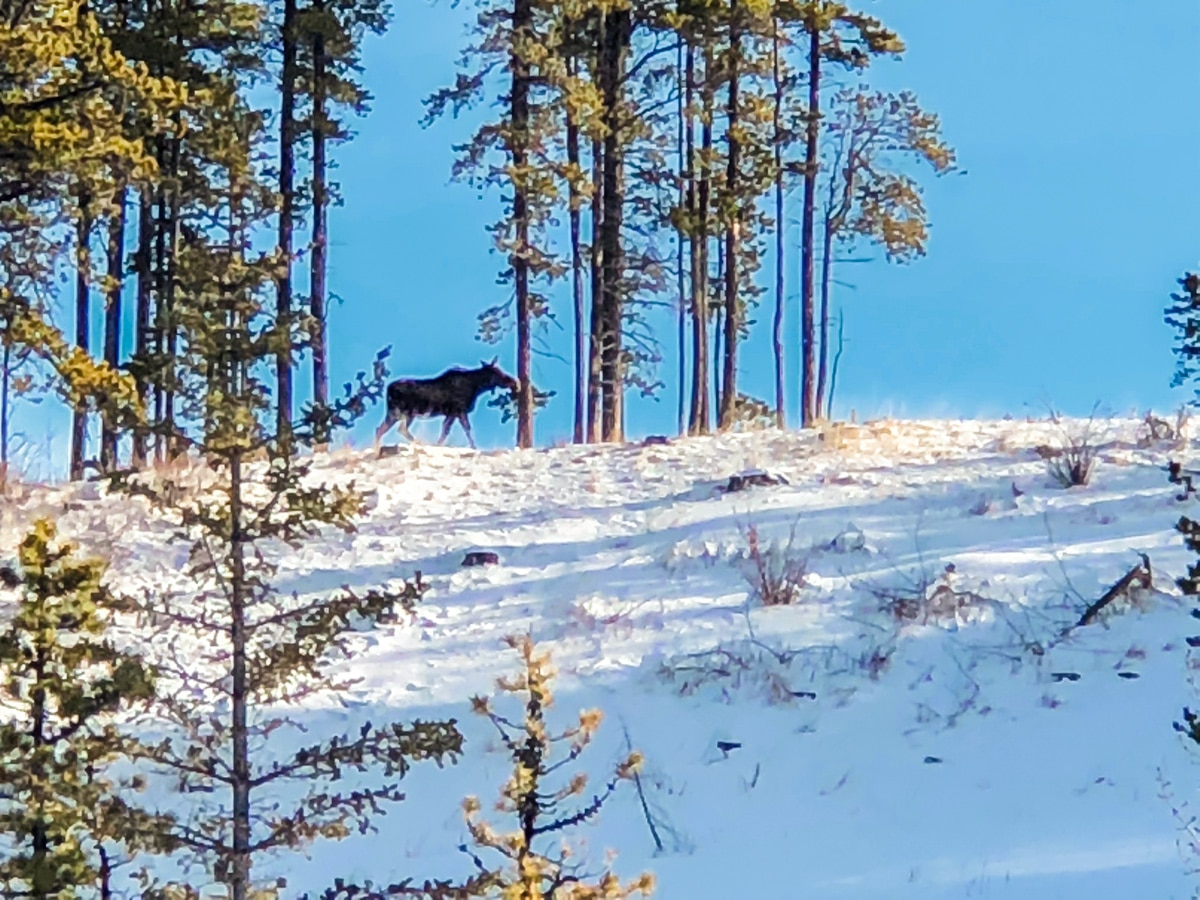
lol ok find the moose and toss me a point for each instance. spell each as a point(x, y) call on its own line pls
point(451, 394)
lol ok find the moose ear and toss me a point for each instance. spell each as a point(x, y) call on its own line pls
point(495, 359)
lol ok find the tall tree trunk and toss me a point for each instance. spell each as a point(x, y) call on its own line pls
point(616, 37)
point(777, 325)
point(239, 869)
point(717, 310)
point(699, 378)
point(287, 200)
point(112, 315)
point(174, 446)
point(597, 322)
point(834, 369)
point(701, 420)
point(522, 24)
point(5, 391)
point(141, 315)
point(320, 238)
point(79, 418)
point(808, 408)
point(823, 327)
point(681, 237)
point(161, 311)
point(727, 414)
point(39, 834)
point(574, 214)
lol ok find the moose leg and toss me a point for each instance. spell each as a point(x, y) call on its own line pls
point(467, 428)
point(405, 421)
point(383, 429)
point(446, 429)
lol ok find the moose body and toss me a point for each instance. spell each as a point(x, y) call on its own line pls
point(452, 394)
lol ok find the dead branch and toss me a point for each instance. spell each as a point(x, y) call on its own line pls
point(1139, 576)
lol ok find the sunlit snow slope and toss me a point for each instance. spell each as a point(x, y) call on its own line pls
point(879, 758)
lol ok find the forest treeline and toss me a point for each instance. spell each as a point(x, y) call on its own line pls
point(647, 154)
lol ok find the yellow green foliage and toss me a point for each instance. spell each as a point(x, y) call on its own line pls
point(65, 94)
point(529, 872)
point(83, 381)
point(64, 683)
point(874, 135)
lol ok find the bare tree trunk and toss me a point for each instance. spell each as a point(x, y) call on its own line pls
point(699, 336)
point(174, 447)
point(701, 422)
point(681, 236)
point(718, 310)
point(522, 23)
point(320, 236)
point(162, 221)
point(808, 409)
point(823, 328)
point(79, 417)
point(112, 315)
point(574, 213)
point(105, 873)
point(728, 410)
point(616, 36)
point(141, 315)
point(837, 357)
point(777, 324)
point(597, 321)
point(239, 869)
point(287, 200)
point(5, 391)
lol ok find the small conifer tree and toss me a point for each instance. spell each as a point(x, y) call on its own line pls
point(532, 871)
point(62, 816)
point(1184, 316)
point(252, 653)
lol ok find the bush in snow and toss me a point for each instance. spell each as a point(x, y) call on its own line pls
point(65, 823)
point(1072, 464)
point(530, 872)
point(775, 572)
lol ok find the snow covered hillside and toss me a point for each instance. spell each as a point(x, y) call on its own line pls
point(923, 722)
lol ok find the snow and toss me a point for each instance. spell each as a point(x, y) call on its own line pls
point(878, 758)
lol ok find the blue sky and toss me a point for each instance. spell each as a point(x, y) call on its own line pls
point(1077, 124)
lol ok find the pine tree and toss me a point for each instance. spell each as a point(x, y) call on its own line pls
point(289, 39)
point(530, 872)
point(83, 317)
point(28, 254)
point(114, 285)
point(516, 155)
point(215, 51)
point(616, 37)
point(682, 101)
point(577, 190)
point(260, 651)
point(699, 213)
point(68, 95)
point(728, 397)
point(873, 137)
point(750, 171)
point(780, 82)
point(849, 39)
point(139, 447)
point(66, 819)
point(1184, 316)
